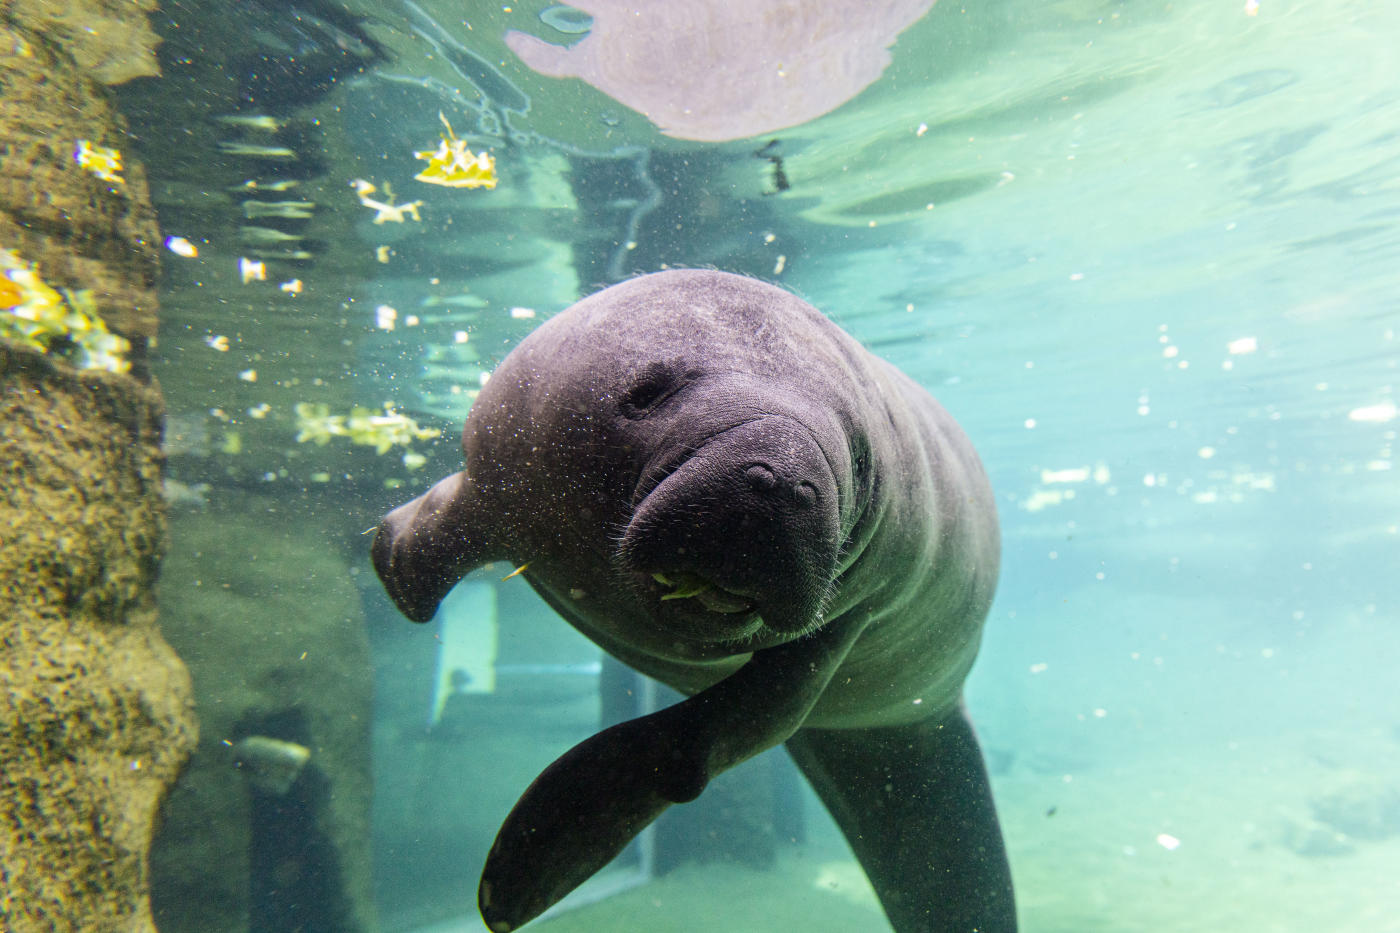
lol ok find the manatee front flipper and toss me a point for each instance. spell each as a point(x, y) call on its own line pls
point(425, 546)
point(586, 806)
point(916, 806)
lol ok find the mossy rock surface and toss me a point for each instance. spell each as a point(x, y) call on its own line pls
point(96, 719)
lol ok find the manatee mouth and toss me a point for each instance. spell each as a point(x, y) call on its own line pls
point(710, 595)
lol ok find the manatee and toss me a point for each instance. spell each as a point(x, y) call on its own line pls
point(721, 488)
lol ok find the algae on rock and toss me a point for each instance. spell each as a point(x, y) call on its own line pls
point(97, 719)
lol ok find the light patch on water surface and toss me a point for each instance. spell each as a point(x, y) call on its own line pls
point(1383, 411)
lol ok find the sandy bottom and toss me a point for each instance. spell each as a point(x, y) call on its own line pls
point(1102, 861)
point(1183, 843)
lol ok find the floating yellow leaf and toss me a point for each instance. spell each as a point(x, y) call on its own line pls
point(453, 165)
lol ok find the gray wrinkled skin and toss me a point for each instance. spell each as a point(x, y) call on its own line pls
point(721, 488)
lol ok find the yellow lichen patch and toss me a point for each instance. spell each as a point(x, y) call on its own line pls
point(453, 165)
point(10, 294)
point(66, 325)
point(103, 162)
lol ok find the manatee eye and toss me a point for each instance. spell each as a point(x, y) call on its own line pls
point(649, 388)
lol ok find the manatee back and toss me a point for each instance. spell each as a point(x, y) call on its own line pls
point(704, 320)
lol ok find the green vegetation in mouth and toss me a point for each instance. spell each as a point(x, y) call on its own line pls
point(683, 589)
point(713, 598)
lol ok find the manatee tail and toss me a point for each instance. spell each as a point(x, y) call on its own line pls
point(916, 806)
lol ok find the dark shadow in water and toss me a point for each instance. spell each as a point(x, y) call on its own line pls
point(294, 876)
point(1246, 86)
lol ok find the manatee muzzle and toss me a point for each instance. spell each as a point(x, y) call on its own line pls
point(748, 522)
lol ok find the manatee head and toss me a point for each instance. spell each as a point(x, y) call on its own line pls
point(743, 526)
point(685, 436)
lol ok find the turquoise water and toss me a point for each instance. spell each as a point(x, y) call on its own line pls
point(1147, 256)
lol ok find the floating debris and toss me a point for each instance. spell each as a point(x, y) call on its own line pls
point(362, 426)
point(772, 153)
point(284, 255)
point(453, 165)
point(287, 210)
point(253, 151)
point(266, 235)
point(393, 213)
point(252, 121)
point(1067, 475)
point(181, 247)
point(251, 270)
point(385, 211)
point(453, 301)
point(66, 325)
point(103, 162)
point(274, 185)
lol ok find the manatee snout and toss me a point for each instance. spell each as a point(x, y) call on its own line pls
point(752, 516)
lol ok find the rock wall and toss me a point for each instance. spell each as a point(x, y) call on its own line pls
point(85, 232)
point(95, 710)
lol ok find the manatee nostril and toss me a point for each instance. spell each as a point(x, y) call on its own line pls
point(761, 479)
point(804, 494)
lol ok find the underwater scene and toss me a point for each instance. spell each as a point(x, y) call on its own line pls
point(721, 623)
